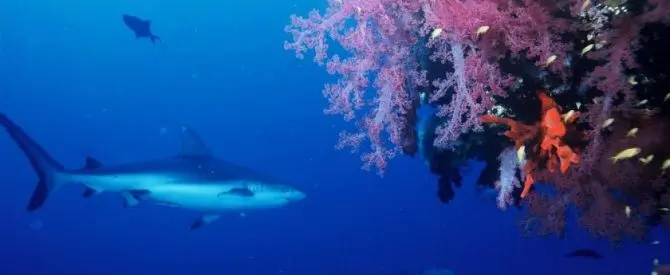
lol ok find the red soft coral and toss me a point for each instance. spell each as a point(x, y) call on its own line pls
point(550, 150)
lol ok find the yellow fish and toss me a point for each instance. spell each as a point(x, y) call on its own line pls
point(588, 48)
point(626, 154)
point(550, 60)
point(567, 116)
point(628, 211)
point(641, 103)
point(435, 33)
point(647, 159)
point(664, 209)
point(632, 81)
point(521, 154)
point(632, 132)
point(608, 122)
point(666, 164)
point(667, 96)
point(482, 30)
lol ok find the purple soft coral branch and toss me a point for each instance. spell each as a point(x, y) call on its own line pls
point(379, 42)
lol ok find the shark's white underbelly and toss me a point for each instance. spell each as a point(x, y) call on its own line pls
point(120, 183)
point(206, 198)
point(171, 191)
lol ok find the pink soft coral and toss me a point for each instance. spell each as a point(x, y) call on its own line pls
point(381, 42)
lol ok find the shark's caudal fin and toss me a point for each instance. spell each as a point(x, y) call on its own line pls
point(45, 166)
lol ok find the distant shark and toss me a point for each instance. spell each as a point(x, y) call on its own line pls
point(194, 179)
point(141, 28)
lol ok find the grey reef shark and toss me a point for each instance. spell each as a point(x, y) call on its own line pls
point(141, 27)
point(194, 179)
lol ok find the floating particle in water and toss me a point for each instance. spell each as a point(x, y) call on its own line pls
point(438, 271)
point(36, 224)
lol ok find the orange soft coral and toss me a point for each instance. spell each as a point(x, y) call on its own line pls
point(547, 135)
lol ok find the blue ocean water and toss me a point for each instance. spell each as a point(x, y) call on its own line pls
point(75, 78)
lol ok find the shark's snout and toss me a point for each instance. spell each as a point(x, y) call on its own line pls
point(295, 195)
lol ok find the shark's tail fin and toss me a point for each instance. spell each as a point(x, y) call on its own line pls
point(45, 166)
point(155, 38)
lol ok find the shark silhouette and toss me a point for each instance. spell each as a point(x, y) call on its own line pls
point(194, 179)
point(141, 28)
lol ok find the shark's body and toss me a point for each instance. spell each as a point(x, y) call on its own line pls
point(141, 28)
point(194, 179)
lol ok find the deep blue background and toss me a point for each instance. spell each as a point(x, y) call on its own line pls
point(78, 81)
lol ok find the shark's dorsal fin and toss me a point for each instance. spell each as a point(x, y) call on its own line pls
point(192, 144)
point(91, 164)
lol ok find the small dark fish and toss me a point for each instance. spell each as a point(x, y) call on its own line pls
point(660, 269)
point(586, 253)
point(141, 28)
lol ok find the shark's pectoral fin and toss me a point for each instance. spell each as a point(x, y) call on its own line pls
point(139, 194)
point(204, 220)
point(89, 192)
point(129, 200)
point(239, 192)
